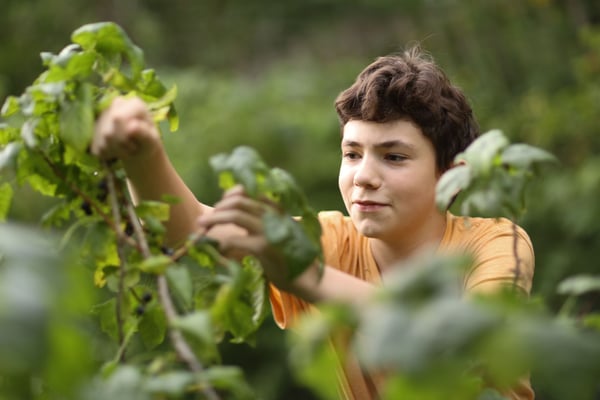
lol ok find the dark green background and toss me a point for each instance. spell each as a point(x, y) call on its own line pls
point(265, 73)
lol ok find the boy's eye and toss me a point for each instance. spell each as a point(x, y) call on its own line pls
point(351, 155)
point(395, 157)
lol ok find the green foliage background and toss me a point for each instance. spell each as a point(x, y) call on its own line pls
point(265, 73)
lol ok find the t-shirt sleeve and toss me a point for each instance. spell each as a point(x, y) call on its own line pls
point(504, 258)
point(286, 307)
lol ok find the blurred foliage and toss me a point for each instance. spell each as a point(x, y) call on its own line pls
point(265, 74)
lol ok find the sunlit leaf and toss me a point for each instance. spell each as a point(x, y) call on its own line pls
point(165, 100)
point(522, 155)
point(450, 184)
point(108, 37)
point(173, 383)
point(245, 167)
point(77, 119)
point(156, 264)
point(6, 196)
point(579, 285)
point(481, 153)
point(8, 155)
point(256, 289)
point(11, 106)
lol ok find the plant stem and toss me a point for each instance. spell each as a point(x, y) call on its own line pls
point(114, 205)
point(120, 234)
point(516, 254)
point(181, 346)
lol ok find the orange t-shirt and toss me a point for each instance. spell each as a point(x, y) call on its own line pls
point(489, 241)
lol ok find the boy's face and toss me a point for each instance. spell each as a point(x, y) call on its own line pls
point(387, 179)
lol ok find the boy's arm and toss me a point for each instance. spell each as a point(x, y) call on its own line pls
point(155, 178)
point(127, 131)
point(334, 285)
point(235, 208)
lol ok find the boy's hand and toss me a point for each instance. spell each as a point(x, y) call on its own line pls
point(236, 208)
point(126, 130)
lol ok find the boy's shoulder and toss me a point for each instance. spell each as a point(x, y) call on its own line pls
point(465, 228)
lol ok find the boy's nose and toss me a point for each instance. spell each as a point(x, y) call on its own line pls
point(366, 174)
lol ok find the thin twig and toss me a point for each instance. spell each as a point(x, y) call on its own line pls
point(182, 348)
point(120, 234)
point(516, 254)
point(116, 214)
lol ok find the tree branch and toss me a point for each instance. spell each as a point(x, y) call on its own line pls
point(181, 346)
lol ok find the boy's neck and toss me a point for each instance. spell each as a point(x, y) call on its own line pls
point(390, 253)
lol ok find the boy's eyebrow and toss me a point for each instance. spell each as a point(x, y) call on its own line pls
point(385, 145)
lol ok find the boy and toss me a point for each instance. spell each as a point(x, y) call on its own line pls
point(402, 124)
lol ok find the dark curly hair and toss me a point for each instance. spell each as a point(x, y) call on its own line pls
point(411, 86)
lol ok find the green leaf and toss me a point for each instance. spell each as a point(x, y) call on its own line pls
point(77, 119)
point(6, 196)
point(232, 315)
point(156, 264)
point(109, 38)
point(481, 153)
point(199, 327)
point(579, 285)
point(8, 133)
point(484, 202)
point(107, 315)
point(166, 100)
point(81, 65)
point(173, 119)
point(125, 382)
point(173, 383)
point(592, 321)
point(8, 155)
point(244, 166)
point(28, 132)
point(256, 289)
point(180, 281)
point(42, 185)
point(450, 184)
point(156, 209)
point(298, 250)
point(63, 58)
point(152, 327)
point(197, 324)
point(230, 379)
point(11, 106)
point(524, 156)
point(149, 84)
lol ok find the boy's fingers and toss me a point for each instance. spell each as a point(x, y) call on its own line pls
point(243, 244)
point(250, 222)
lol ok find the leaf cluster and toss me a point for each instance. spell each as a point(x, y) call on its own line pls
point(430, 342)
point(490, 177)
point(151, 293)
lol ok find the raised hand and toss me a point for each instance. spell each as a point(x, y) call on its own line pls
point(126, 130)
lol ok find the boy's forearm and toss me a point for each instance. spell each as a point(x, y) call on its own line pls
point(333, 285)
point(155, 177)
